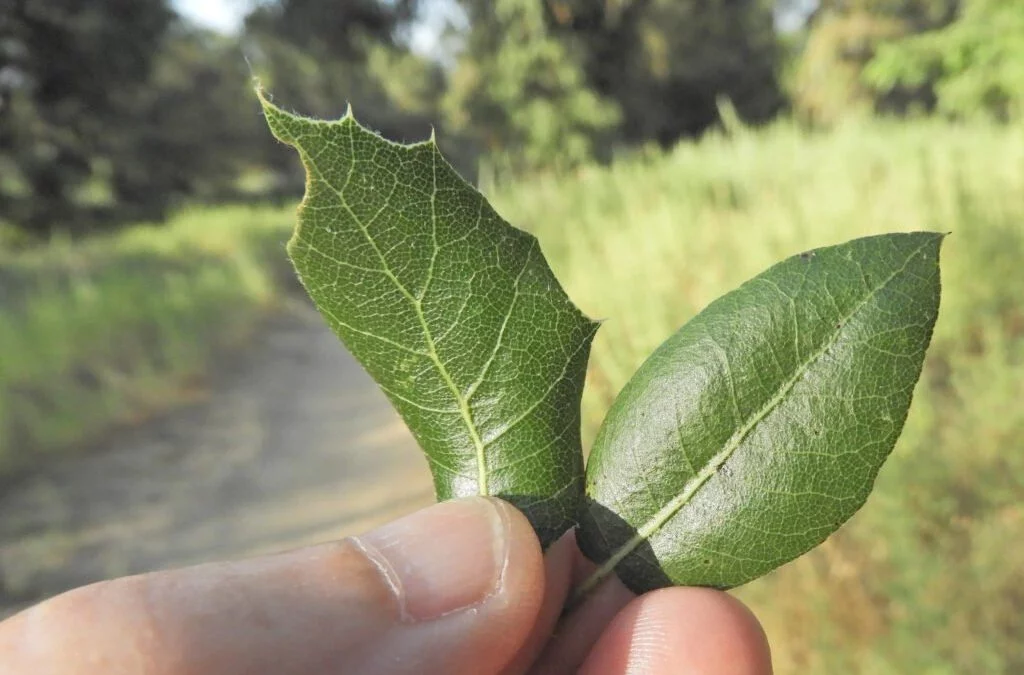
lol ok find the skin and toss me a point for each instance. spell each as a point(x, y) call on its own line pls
point(459, 587)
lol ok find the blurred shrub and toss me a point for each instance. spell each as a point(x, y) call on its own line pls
point(843, 37)
point(975, 64)
point(521, 93)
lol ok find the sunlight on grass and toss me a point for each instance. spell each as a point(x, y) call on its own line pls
point(110, 329)
point(922, 580)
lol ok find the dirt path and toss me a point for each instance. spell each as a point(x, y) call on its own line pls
point(294, 445)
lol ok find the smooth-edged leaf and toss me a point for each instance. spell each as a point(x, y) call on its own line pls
point(755, 431)
point(454, 313)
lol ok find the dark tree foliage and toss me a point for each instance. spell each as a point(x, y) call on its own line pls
point(662, 67)
point(194, 127)
point(667, 63)
point(520, 94)
point(341, 29)
point(117, 110)
point(114, 111)
point(69, 71)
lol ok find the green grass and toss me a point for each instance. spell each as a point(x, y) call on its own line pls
point(929, 576)
point(115, 328)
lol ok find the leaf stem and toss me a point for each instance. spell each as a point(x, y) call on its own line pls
point(583, 590)
point(579, 594)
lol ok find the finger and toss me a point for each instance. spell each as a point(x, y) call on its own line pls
point(453, 588)
point(558, 567)
point(682, 630)
point(578, 630)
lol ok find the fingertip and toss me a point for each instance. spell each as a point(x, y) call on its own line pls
point(483, 636)
point(495, 636)
point(487, 633)
point(677, 630)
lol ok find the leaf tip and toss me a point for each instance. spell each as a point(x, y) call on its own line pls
point(938, 239)
point(277, 119)
point(261, 93)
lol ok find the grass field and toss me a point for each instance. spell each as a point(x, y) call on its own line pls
point(927, 578)
point(110, 330)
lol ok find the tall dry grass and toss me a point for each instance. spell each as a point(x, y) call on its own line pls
point(929, 576)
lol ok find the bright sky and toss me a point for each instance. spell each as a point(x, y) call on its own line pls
point(223, 15)
point(226, 16)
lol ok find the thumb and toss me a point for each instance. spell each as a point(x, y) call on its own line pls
point(454, 588)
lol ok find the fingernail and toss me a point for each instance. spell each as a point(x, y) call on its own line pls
point(447, 557)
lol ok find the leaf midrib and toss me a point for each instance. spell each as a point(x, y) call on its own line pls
point(483, 487)
point(667, 512)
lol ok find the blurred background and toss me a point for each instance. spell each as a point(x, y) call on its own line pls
point(167, 396)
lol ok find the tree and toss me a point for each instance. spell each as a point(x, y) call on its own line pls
point(975, 64)
point(560, 80)
point(70, 72)
point(116, 110)
point(666, 63)
point(194, 127)
point(520, 92)
point(343, 30)
point(843, 37)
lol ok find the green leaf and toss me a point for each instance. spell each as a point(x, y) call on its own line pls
point(755, 431)
point(454, 313)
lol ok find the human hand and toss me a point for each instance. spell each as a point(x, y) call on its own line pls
point(459, 587)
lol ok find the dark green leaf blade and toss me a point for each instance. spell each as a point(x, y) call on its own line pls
point(757, 429)
point(454, 313)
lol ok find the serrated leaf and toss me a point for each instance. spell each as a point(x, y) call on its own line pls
point(454, 313)
point(755, 431)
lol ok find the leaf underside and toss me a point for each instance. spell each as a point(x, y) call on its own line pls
point(758, 428)
point(453, 312)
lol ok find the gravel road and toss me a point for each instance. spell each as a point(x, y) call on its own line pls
point(292, 444)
